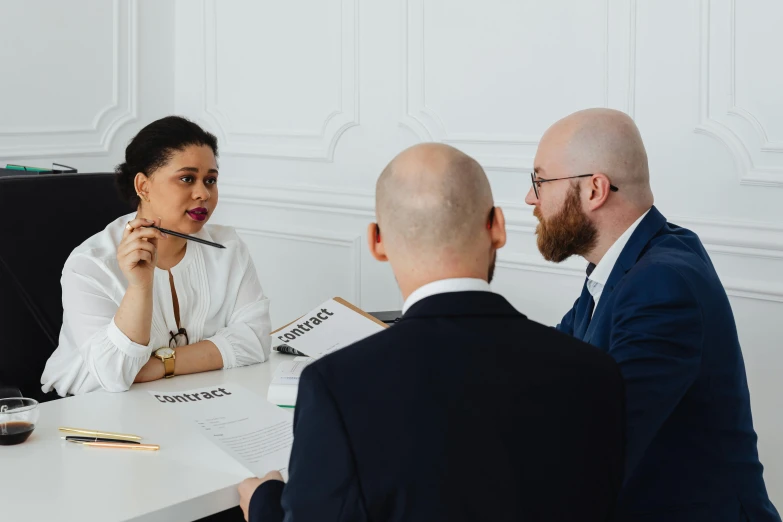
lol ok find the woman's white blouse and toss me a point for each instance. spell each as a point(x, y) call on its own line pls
point(220, 300)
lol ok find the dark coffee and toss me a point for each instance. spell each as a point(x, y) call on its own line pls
point(15, 432)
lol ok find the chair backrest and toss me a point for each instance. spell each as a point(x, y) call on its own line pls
point(43, 218)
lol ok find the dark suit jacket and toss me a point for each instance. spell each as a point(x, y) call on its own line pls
point(464, 410)
point(665, 318)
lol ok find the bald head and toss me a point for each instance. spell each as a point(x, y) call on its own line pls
point(605, 141)
point(432, 198)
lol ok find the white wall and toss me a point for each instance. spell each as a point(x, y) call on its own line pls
point(311, 98)
point(80, 78)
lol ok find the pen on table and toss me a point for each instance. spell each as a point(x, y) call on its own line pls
point(185, 236)
point(119, 445)
point(98, 439)
point(95, 433)
point(284, 348)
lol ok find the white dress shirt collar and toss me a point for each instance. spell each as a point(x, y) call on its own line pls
point(600, 274)
point(464, 284)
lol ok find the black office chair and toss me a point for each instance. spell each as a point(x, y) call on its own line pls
point(43, 219)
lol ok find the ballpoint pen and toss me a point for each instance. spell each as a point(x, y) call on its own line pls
point(98, 439)
point(119, 445)
point(100, 434)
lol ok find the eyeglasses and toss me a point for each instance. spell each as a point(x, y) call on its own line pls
point(178, 339)
point(537, 182)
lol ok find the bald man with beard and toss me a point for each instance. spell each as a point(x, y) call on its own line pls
point(653, 301)
point(464, 410)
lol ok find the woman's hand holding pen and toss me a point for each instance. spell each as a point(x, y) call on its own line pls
point(137, 253)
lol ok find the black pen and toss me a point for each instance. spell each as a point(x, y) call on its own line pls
point(185, 236)
point(97, 439)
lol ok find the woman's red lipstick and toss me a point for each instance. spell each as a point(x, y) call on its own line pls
point(197, 214)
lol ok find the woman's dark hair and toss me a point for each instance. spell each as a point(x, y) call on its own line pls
point(153, 147)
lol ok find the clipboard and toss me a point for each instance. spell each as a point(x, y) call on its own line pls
point(360, 311)
point(344, 303)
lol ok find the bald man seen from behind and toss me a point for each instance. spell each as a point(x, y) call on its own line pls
point(464, 410)
point(653, 301)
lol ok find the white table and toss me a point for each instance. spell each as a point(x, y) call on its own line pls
point(49, 479)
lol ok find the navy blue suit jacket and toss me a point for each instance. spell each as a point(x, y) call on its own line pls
point(464, 410)
point(665, 318)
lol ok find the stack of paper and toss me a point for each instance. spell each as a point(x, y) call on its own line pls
point(285, 383)
point(333, 325)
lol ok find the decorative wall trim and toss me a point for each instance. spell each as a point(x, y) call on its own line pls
point(734, 288)
point(352, 243)
point(758, 241)
point(303, 197)
point(749, 239)
point(499, 152)
point(756, 157)
point(633, 24)
point(95, 139)
point(313, 144)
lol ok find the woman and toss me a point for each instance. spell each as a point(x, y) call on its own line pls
point(140, 305)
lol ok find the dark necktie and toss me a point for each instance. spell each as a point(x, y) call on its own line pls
point(587, 309)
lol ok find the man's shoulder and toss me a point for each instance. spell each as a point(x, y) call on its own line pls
point(369, 349)
point(673, 257)
point(506, 341)
point(564, 352)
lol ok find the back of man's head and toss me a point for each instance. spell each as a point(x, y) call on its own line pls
point(433, 204)
point(606, 141)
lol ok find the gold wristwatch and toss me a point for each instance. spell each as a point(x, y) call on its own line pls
point(167, 356)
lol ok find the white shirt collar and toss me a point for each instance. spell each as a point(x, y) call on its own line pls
point(603, 269)
point(464, 284)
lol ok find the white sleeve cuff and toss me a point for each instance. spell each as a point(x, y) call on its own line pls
point(124, 344)
point(225, 349)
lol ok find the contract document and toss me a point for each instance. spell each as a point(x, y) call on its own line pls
point(329, 327)
point(254, 432)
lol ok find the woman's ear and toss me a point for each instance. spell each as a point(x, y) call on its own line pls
point(375, 242)
point(141, 184)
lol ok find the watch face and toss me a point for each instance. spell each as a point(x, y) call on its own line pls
point(164, 352)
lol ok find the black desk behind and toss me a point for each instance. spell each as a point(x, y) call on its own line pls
point(44, 217)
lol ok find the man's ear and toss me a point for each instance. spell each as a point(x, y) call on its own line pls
point(600, 187)
point(497, 232)
point(375, 242)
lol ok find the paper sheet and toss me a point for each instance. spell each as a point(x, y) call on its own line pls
point(326, 329)
point(289, 372)
point(254, 432)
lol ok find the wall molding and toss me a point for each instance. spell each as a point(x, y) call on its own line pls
point(756, 157)
point(734, 288)
point(759, 241)
point(352, 243)
point(95, 139)
point(513, 153)
point(308, 198)
point(748, 239)
point(313, 144)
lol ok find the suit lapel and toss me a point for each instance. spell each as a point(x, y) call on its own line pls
point(641, 237)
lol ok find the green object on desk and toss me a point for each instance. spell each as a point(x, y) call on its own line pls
point(28, 169)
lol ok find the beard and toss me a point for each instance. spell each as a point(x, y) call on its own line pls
point(567, 233)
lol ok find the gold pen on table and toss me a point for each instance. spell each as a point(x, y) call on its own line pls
point(100, 434)
point(119, 445)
